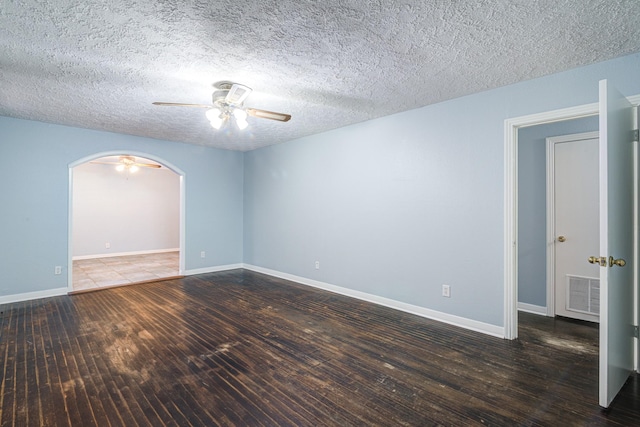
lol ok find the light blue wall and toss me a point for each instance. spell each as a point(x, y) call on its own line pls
point(34, 167)
point(394, 207)
point(532, 204)
point(400, 205)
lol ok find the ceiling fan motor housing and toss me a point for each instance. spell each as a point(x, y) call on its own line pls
point(127, 160)
point(219, 96)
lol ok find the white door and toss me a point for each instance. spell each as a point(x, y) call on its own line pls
point(616, 242)
point(576, 221)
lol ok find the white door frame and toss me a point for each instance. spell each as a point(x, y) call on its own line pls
point(551, 222)
point(511, 127)
point(178, 171)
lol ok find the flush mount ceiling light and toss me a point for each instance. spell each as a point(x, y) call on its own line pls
point(227, 103)
point(128, 164)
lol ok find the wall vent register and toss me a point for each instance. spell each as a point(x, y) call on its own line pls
point(583, 294)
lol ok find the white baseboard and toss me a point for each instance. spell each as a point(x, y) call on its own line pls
point(27, 296)
point(485, 328)
point(531, 308)
point(110, 255)
point(212, 269)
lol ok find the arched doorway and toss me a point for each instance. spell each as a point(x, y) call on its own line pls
point(126, 220)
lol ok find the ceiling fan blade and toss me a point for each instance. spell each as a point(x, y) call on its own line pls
point(271, 115)
point(96, 162)
point(237, 94)
point(179, 104)
point(148, 165)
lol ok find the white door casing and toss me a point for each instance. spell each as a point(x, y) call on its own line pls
point(616, 242)
point(572, 225)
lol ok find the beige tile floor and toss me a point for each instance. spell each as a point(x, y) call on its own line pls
point(118, 271)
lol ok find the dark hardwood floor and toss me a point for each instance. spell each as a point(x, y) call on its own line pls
point(241, 348)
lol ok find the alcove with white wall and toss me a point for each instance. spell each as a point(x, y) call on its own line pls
point(123, 213)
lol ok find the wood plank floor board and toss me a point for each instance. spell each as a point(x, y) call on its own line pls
point(7, 410)
point(26, 380)
point(69, 389)
point(89, 338)
point(440, 363)
point(242, 348)
point(273, 373)
point(6, 321)
point(278, 348)
point(175, 351)
point(235, 381)
point(286, 346)
point(115, 344)
point(48, 376)
point(381, 407)
point(297, 358)
point(371, 352)
point(179, 352)
point(116, 413)
point(92, 410)
point(117, 385)
point(230, 365)
point(33, 372)
point(229, 370)
point(140, 408)
point(390, 394)
point(9, 372)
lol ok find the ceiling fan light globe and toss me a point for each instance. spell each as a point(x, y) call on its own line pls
point(240, 114)
point(134, 169)
point(242, 124)
point(217, 123)
point(215, 117)
point(214, 114)
point(120, 167)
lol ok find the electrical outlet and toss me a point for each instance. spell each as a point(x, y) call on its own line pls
point(202, 254)
point(57, 270)
point(107, 245)
point(446, 291)
point(317, 265)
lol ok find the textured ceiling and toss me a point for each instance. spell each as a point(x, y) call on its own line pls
point(100, 65)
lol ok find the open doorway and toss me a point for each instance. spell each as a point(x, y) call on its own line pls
point(126, 221)
point(556, 210)
point(512, 195)
point(536, 237)
point(512, 198)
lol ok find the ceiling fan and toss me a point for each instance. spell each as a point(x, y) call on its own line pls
point(129, 164)
point(227, 102)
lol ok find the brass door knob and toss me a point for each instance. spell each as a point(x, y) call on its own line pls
point(602, 261)
point(619, 262)
point(562, 239)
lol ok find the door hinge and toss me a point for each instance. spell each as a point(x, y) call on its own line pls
point(636, 332)
point(636, 136)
